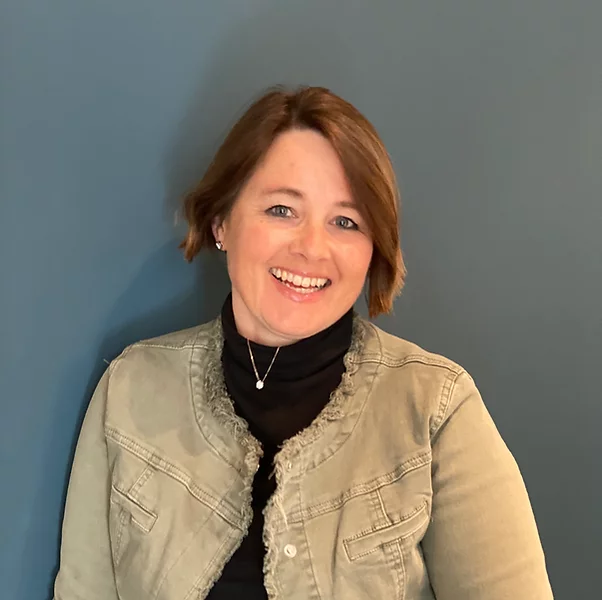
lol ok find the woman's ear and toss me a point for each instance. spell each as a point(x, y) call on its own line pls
point(218, 229)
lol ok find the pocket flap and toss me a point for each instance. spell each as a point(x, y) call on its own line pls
point(142, 517)
point(364, 543)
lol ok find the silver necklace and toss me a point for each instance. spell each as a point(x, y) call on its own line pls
point(260, 381)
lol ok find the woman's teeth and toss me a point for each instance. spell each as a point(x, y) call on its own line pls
point(301, 284)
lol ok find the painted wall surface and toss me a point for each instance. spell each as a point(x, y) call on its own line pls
point(492, 112)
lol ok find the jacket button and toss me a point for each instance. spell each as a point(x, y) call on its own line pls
point(290, 551)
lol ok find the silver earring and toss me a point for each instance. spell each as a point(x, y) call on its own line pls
point(219, 245)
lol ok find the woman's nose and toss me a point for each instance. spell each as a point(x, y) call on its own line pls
point(310, 241)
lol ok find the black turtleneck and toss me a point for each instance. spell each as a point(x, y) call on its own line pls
point(296, 389)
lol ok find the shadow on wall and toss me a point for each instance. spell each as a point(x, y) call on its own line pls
point(249, 59)
point(201, 302)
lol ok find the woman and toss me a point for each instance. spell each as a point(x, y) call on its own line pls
point(291, 449)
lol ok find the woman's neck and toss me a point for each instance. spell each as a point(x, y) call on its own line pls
point(305, 356)
point(299, 383)
point(255, 329)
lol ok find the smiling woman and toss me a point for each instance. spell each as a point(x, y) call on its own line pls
point(306, 155)
point(290, 448)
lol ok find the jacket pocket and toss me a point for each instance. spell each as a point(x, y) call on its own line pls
point(140, 516)
point(128, 518)
point(367, 542)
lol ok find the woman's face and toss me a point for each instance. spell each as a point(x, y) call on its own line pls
point(298, 251)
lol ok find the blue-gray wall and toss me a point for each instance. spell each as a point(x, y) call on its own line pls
point(492, 112)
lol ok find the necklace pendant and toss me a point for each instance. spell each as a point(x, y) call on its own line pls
point(259, 384)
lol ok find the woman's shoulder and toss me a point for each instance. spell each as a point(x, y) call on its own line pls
point(160, 355)
point(157, 377)
point(199, 335)
point(394, 351)
point(432, 385)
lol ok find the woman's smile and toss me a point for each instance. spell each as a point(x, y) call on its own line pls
point(300, 282)
point(298, 288)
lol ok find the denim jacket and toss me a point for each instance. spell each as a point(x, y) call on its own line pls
point(402, 488)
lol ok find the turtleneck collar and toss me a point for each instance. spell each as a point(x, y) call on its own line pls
point(298, 385)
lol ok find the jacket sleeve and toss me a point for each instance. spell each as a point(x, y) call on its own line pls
point(482, 542)
point(86, 565)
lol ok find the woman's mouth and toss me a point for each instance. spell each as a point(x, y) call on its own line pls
point(300, 283)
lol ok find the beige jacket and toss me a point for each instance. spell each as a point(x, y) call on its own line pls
point(402, 488)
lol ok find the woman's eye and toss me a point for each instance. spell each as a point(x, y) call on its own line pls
point(279, 211)
point(346, 223)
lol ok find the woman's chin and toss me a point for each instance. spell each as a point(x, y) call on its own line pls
point(296, 327)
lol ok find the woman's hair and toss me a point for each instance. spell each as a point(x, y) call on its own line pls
point(364, 158)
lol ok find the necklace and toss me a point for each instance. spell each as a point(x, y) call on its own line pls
point(260, 381)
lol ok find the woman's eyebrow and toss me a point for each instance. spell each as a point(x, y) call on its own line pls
point(288, 191)
point(295, 193)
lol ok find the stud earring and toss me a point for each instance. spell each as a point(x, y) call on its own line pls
point(219, 245)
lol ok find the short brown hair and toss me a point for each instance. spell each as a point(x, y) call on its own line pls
point(362, 154)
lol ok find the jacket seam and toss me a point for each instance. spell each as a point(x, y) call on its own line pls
point(447, 392)
point(311, 562)
point(361, 411)
point(146, 511)
point(184, 550)
point(197, 588)
point(171, 470)
point(323, 508)
point(185, 345)
point(409, 359)
point(189, 346)
point(164, 346)
point(405, 536)
point(425, 357)
point(403, 519)
point(113, 364)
